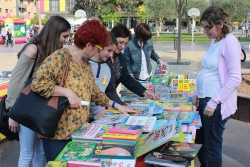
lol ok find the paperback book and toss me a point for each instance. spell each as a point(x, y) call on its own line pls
point(120, 136)
point(126, 129)
point(187, 117)
point(114, 151)
point(164, 161)
point(90, 131)
point(83, 164)
point(112, 119)
point(146, 121)
point(107, 162)
point(169, 106)
point(181, 149)
point(77, 151)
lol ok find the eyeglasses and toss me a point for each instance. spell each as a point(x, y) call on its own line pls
point(207, 28)
point(122, 42)
point(99, 48)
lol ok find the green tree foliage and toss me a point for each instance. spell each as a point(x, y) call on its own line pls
point(91, 7)
point(141, 13)
point(34, 20)
point(158, 10)
point(44, 20)
point(129, 7)
point(237, 9)
point(111, 17)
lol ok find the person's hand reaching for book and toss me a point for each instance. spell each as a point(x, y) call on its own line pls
point(126, 109)
point(151, 95)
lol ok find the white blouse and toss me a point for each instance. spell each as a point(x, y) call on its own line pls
point(208, 80)
point(144, 69)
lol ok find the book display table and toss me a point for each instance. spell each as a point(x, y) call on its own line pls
point(161, 133)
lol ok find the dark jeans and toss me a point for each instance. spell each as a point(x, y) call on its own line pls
point(210, 135)
point(53, 147)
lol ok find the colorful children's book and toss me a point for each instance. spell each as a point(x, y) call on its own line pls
point(130, 98)
point(173, 115)
point(112, 119)
point(106, 162)
point(126, 129)
point(169, 106)
point(164, 161)
point(174, 97)
point(90, 131)
point(83, 164)
point(120, 136)
point(56, 164)
point(106, 112)
point(114, 151)
point(155, 138)
point(181, 149)
point(146, 121)
point(161, 70)
point(78, 151)
point(120, 141)
point(187, 117)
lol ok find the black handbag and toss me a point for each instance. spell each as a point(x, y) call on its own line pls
point(38, 113)
point(4, 122)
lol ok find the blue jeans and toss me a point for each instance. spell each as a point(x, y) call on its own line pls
point(31, 149)
point(53, 147)
point(210, 135)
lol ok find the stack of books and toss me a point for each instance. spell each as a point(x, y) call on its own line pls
point(122, 134)
point(90, 132)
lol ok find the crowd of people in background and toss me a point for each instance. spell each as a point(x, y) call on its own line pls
point(7, 35)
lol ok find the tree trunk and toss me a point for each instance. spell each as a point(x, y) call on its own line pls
point(38, 14)
point(158, 27)
point(128, 21)
point(179, 39)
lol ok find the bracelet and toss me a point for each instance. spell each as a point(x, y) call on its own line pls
point(113, 104)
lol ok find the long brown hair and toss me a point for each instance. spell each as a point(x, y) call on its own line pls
point(214, 15)
point(48, 39)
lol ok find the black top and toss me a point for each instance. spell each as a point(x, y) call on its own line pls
point(127, 80)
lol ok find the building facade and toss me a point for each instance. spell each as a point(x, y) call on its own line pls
point(20, 8)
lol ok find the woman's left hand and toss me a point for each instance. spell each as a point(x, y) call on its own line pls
point(151, 95)
point(126, 109)
point(162, 63)
point(208, 111)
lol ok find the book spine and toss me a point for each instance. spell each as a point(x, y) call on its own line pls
point(113, 130)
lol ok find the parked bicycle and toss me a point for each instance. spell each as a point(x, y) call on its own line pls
point(243, 55)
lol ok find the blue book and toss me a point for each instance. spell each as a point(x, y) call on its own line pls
point(187, 117)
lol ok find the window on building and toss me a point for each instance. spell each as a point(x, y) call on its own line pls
point(54, 6)
point(21, 1)
point(10, 10)
point(29, 13)
point(6, 10)
point(0, 10)
point(28, 2)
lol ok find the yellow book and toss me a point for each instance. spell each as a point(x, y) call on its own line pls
point(119, 136)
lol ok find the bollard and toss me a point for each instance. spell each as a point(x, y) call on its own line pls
point(175, 43)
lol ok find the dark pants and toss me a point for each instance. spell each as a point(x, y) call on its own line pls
point(53, 147)
point(210, 135)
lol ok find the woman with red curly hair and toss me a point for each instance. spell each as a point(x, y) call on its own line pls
point(80, 85)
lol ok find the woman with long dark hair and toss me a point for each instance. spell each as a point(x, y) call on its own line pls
point(54, 34)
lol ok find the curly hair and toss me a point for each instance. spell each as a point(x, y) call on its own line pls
point(91, 31)
point(214, 15)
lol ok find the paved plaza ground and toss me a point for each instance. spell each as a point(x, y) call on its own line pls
point(236, 145)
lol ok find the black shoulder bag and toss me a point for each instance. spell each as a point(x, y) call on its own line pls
point(38, 113)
